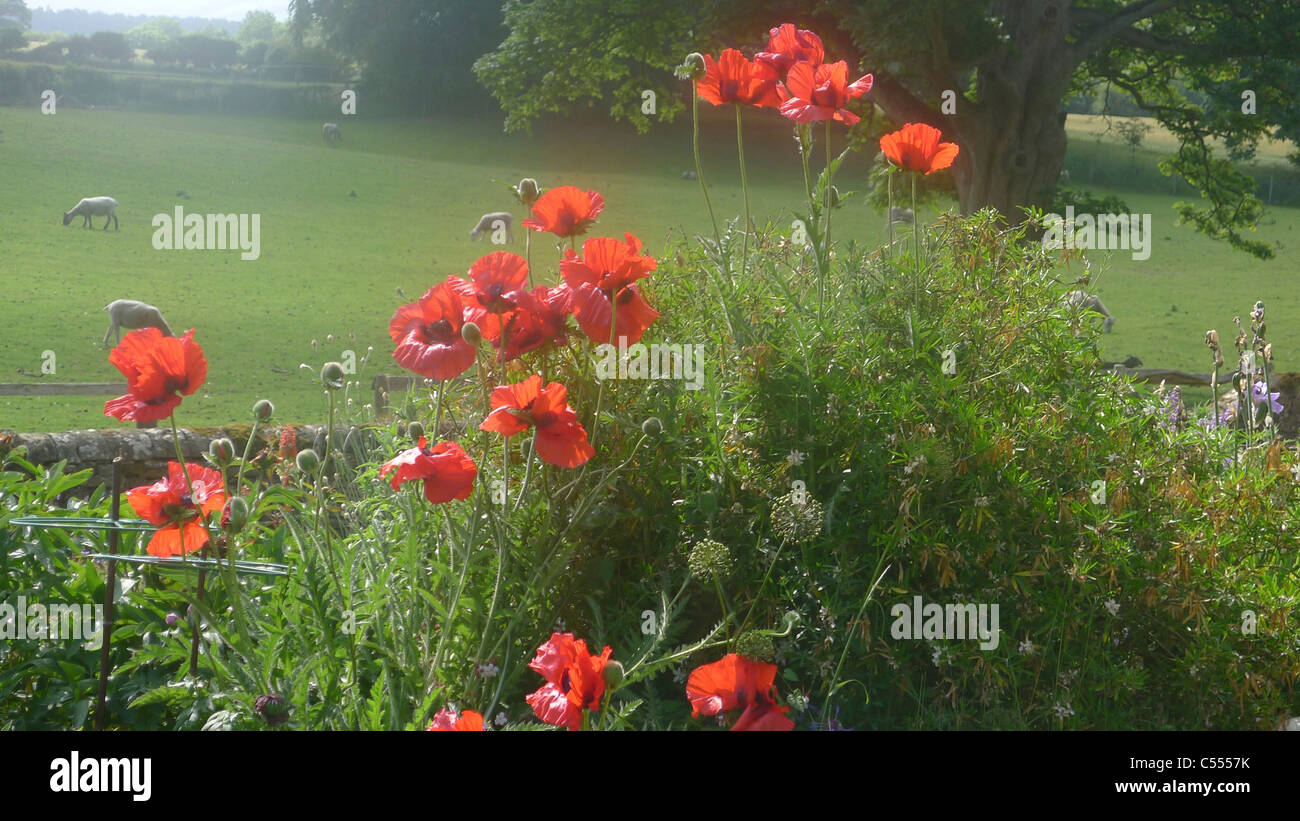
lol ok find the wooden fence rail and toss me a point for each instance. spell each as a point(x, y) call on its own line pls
point(68, 389)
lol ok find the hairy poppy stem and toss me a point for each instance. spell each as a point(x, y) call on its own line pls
point(248, 447)
point(189, 488)
point(528, 256)
point(828, 192)
point(699, 167)
point(744, 187)
point(889, 214)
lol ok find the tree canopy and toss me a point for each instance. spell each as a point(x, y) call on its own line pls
point(1009, 63)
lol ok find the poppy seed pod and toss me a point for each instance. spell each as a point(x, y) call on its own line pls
point(263, 410)
point(528, 191)
point(652, 427)
point(308, 461)
point(236, 515)
point(471, 333)
point(221, 450)
point(331, 375)
point(415, 430)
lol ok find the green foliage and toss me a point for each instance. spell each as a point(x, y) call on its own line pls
point(564, 54)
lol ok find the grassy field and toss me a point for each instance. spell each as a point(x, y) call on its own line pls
point(333, 266)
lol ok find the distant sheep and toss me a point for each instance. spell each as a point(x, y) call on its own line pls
point(330, 133)
point(690, 175)
point(133, 315)
point(1093, 302)
point(905, 215)
point(486, 226)
point(93, 207)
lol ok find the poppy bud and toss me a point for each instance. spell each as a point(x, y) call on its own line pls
point(692, 68)
point(308, 461)
point(835, 197)
point(332, 375)
point(221, 450)
point(236, 514)
point(263, 410)
point(470, 333)
point(528, 191)
point(652, 427)
point(613, 675)
point(415, 430)
point(271, 708)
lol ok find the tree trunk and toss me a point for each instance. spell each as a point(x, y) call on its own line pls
point(1013, 136)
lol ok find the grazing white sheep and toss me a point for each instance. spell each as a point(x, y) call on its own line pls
point(93, 207)
point(897, 214)
point(330, 133)
point(690, 175)
point(1092, 301)
point(133, 315)
point(486, 225)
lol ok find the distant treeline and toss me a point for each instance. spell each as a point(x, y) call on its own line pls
point(80, 21)
point(78, 86)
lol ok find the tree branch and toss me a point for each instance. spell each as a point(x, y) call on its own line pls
point(903, 106)
point(1111, 26)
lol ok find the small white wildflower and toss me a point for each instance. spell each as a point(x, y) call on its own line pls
point(488, 670)
point(795, 458)
point(680, 674)
point(1026, 647)
point(1112, 606)
point(502, 719)
point(1063, 710)
point(981, 501)
point(560, 626)
point(825, 615)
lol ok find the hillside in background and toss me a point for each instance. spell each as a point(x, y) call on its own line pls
point(80, 21)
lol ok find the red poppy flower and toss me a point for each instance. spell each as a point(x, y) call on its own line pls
point(603, 275)
point(575, 680)
point(561, 439)
point(427, 333)
point(540, 320)
point(787, 45)
point(169, 504)
point(916, 147)
point(446, 469)
point(447, 721)
point(158, 370)
point(813, 94)
point(492, 293)
point(566, 211)
point(733, 79)
point(733, 682)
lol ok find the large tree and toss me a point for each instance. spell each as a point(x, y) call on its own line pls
point(415, 52)
point(1009, 64)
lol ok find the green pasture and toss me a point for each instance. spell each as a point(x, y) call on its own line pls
point(333, 266)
